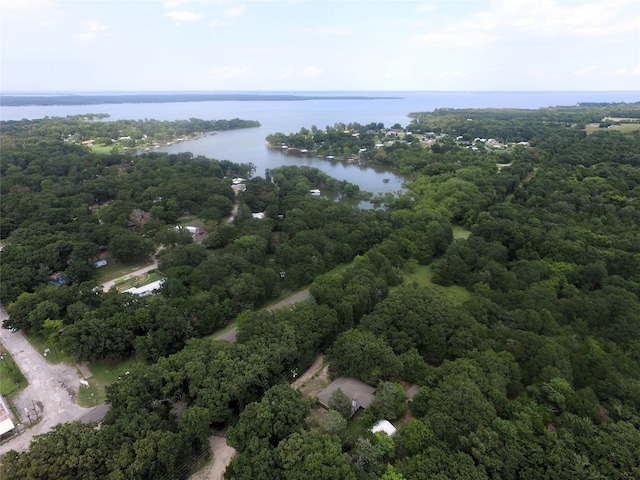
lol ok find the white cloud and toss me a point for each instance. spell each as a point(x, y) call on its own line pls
point(585, 70)
point(527, 21)
point(184, 16)
point(454, 74)
point(636, 71)
point(235, 11)
point(288, 73)
point(426, 7)
point(94, 29)
point(312, 71)
point(549, 17)
point(28, 7)
point(174, 3)
point(228, 72)
point(330, 31)
point(454, 38)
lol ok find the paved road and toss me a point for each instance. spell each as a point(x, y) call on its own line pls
point(231, 335)
point(51, 393)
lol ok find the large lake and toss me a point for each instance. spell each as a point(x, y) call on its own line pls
point(248, 145)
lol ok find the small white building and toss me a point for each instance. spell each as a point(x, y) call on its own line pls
point(384, 426)
point(192, 230)
point(6, 418)
point(315, 192)
point(146, 290)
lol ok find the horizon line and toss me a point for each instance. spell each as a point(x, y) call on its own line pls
point(60, 92)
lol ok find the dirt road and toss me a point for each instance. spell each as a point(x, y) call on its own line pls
point(231, 335)
point(51, 394)
point(222, 455)
point(107, 285)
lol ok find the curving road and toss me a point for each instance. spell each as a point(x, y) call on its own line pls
point(231, 335)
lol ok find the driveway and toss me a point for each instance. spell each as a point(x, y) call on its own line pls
point(106, 286)
point(51, 394)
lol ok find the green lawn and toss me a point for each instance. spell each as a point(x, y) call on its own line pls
point(11, 378)
point(104, 373)
point(135, 282)
point(423, 276)
point(113, 271)
point(104, 149)
point(459, 232)
point(625, 127)
point(54, 355)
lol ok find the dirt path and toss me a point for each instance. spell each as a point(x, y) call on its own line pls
point(311, 372)
point(222, 455)
point(51, 394)
point(106, 286)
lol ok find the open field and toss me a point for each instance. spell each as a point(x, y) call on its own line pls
point(113, 271)
point(104, 149)
point(104, 373)
point(54, 354)
point(624, 127)
point(423, 276)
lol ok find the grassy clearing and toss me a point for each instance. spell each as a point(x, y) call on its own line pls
point(113, 271)
point(191, 221)
point(104, 373)
point(460, 233)
point(54, 353)
point(423, 275)
point(11, 378)
point(103, 149)
point(624, 127)
point(139, 281)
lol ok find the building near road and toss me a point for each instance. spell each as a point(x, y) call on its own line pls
point(146, 290)
point(6, 418)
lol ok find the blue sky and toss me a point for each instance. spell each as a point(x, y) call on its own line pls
point(72, 45)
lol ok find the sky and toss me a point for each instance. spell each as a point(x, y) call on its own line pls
point(312, 45)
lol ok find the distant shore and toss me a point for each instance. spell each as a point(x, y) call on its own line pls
point(9, 100)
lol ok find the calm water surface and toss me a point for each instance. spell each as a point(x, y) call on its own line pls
point(248, 145)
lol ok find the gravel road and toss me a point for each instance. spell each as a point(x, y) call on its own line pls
point(106, 286)
point(51, 394)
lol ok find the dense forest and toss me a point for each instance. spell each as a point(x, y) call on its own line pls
point(533, 373)
point(131, 135)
